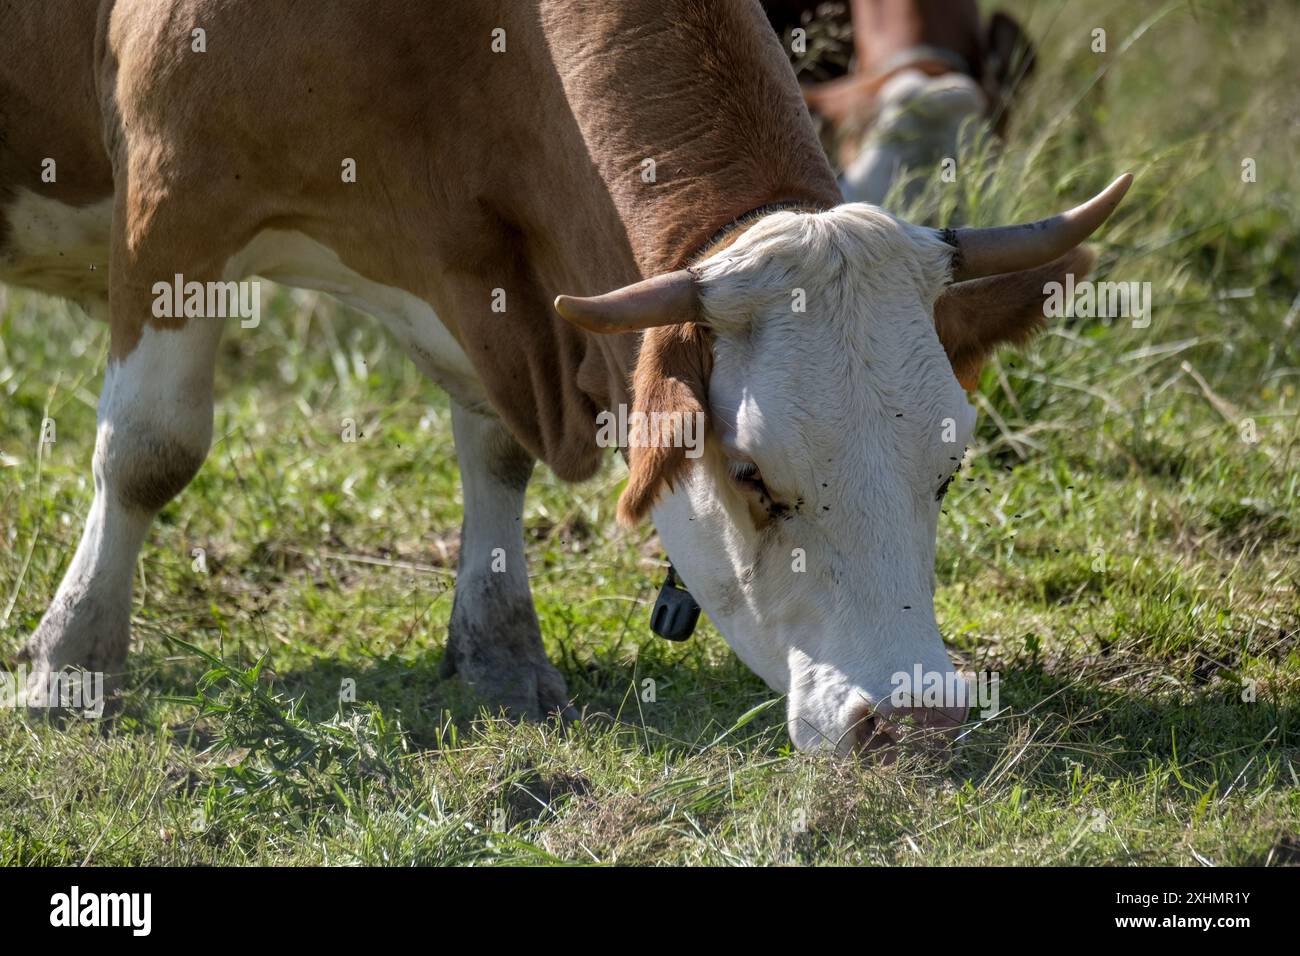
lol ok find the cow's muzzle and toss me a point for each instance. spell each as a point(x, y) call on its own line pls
point(885, 731)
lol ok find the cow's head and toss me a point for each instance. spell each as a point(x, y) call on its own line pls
point(913, 108)
point(825, 350)
point(917, 122)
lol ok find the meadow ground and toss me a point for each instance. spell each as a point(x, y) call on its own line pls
point(1123, 552)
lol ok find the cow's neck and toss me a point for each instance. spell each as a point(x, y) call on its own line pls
point(691, 119)
point(706, 95)
point(701, 91)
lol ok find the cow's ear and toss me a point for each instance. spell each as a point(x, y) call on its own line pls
point(973, 318)
point(671, 380)
point(1008, 59)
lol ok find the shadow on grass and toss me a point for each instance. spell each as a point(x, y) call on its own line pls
point(676, 699)
point(1056, 727)
point(1053, 727)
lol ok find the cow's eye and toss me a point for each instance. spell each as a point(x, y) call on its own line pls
point(747, 475)
point(749, 479)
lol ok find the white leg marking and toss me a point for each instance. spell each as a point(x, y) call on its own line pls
point(494, 642)
point(155, 424)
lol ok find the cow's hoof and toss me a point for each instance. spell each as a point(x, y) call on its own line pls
point(530, 691)
point(54, 694)
point(525, 690)
point(67, 668)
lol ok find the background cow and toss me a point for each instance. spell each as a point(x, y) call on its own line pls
point(903, 84)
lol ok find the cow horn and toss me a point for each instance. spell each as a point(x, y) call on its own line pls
point(1000, 249)
point(668, 299)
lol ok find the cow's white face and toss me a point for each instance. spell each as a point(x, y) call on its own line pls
point(807, 530)
point(920, 121)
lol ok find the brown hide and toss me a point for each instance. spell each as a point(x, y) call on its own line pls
point(476, 170)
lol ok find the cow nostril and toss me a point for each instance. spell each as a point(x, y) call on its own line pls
point(882, 729)
point(872, 732)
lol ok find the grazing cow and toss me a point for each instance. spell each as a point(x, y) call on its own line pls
point(925, 74)
point(499, 152)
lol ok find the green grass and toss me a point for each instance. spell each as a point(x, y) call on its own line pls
point(1118, 553)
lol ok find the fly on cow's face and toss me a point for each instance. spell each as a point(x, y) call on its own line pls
point(943, 488)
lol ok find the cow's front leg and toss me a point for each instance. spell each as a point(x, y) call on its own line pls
point(154, 427)
point(494, 643)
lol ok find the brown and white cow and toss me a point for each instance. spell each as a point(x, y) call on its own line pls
point(499, 145)
point(925, 78)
